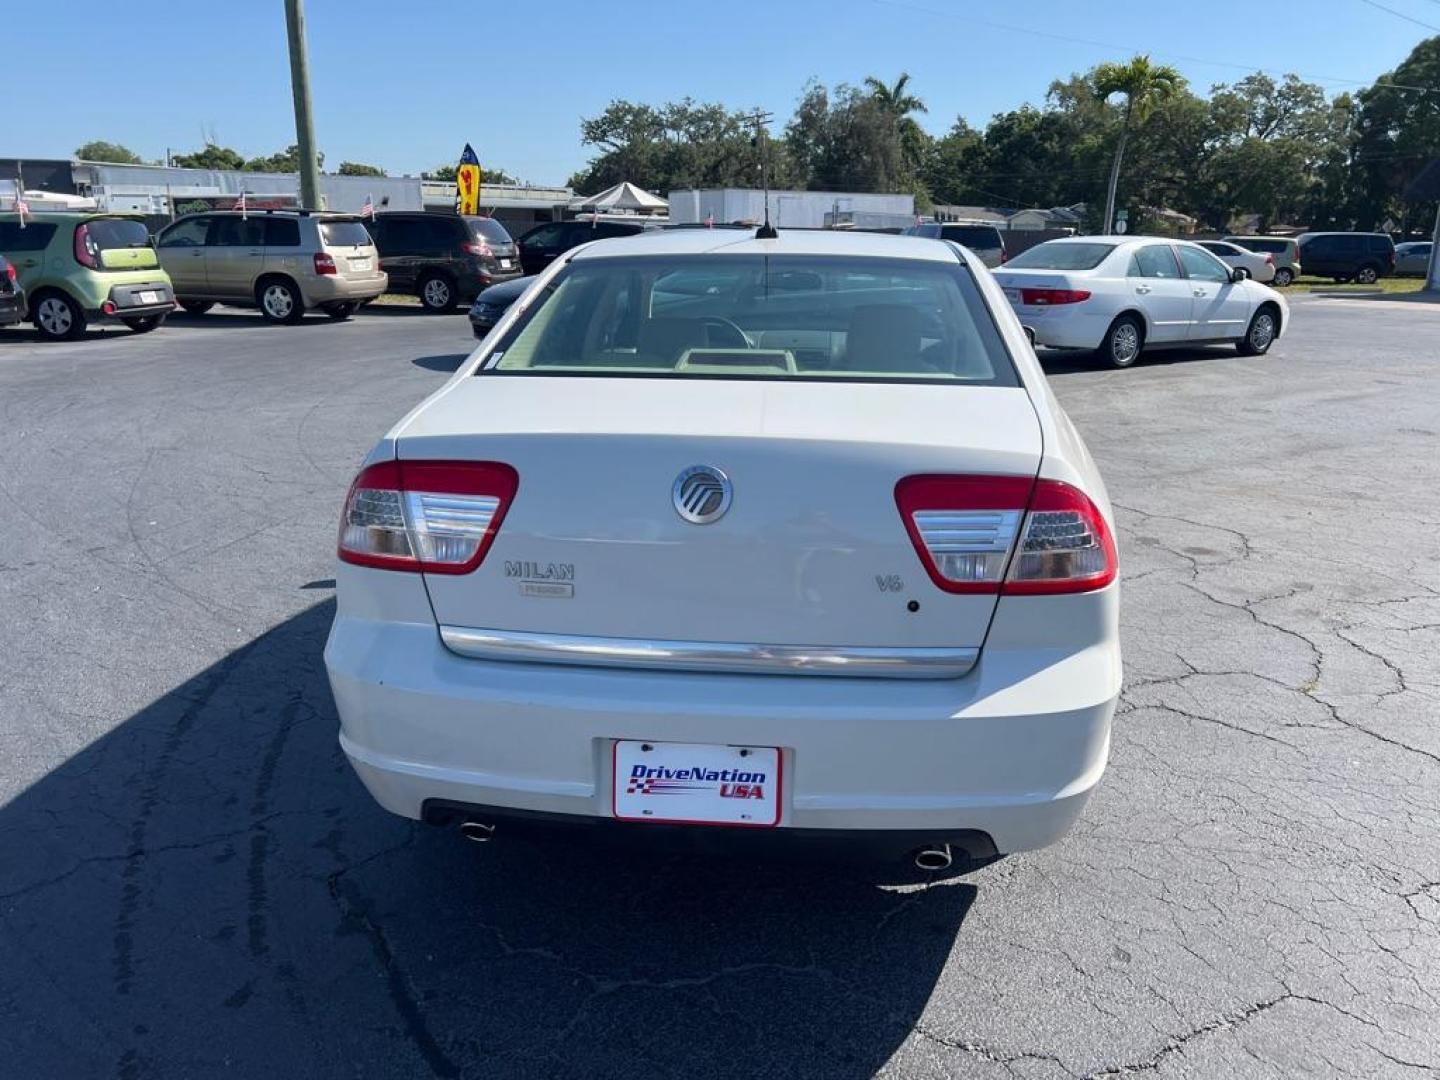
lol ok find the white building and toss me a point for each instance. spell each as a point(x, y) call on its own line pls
point(792, 209)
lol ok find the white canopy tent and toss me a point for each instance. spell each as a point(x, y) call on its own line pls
point(623, 197)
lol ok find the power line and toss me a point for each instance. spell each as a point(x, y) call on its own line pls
point(1402, 15)
point(1112, 46)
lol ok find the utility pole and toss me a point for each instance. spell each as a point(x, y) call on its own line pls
point(300, 87)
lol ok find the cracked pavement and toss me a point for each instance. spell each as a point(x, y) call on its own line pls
point(192, 883)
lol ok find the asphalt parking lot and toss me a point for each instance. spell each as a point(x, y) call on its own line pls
point(193, 883)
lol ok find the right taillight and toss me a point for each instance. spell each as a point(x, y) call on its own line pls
point(1065, 547)
point(434, 516)
point(10, 271)
point(1011, 534)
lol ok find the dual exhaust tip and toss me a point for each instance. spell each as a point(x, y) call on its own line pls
point(929, 859)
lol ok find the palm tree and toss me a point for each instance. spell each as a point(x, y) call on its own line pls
point(898, 103)
point(895, 100)
point(1144, 85)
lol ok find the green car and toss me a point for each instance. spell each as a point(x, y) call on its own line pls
point(76, 267)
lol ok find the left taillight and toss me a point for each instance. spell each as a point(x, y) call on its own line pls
point(439, 517)
point(87, 252)
point(325, 264)
point(1047, 297)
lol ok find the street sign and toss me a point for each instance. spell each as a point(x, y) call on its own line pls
point(1121, 226)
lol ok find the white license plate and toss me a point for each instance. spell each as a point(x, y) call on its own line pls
point(149, 296)
point(1013, 295)
point(504, 264)
point(697, 783)
point(359, 264)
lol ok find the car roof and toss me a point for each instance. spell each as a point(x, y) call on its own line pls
point(73, 215)
point(788, 242)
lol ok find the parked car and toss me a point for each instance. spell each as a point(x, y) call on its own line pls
point(1413, 258)
point(1255, 264)
point(442, 258)
point(1285, 249)
point(986, 241)
point(76, 268)
point(858, 478)
point(543, 244)
point(1348, 256)
point(285, 262)
point(1121, 296)
point(491, 304)
point(12, 296)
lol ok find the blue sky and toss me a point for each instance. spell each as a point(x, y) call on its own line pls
point(405, 85)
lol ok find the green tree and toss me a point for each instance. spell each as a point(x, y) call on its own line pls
point(845, 140)
point(285, 161)
point(211, 157)
point(680, 144)
point(446, 174)
point(1397, 133)
point(100, 150)
point(356, 168)
point(1144, 85)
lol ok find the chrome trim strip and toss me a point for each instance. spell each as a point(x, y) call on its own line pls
point(713, 656)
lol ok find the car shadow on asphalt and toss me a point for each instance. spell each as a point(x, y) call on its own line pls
point(448, 362)
point(1075, 362)
point(208, 888)
point(240, 317)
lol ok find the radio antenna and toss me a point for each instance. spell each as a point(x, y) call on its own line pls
point(760, 118)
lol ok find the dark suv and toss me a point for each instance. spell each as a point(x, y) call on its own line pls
point(1348, 256)
point(986, 241)
point(543, 244)
point(442, 258)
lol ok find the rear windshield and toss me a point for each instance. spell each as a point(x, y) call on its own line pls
point(489, 229)
point(110, 233)
point(759, 316)
point(972, 236)
point(1276, 247)
point(344, 234)
point(1057, 256)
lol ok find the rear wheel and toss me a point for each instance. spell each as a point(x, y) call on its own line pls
point(143, 324)
point(1260, 335)
point(197, 307)
point(57, 317)
point(1123, 341)
point(280, 301)
point(437, 294)
point(341, 312)
point(1284, 276)
point(1367, 275)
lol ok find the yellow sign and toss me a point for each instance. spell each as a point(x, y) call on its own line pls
point(467, 183)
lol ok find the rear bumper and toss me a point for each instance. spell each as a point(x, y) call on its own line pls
point(332, 288)
point(1066, 326)
point(472, 283)
point(130, 301)
point(1011, 751)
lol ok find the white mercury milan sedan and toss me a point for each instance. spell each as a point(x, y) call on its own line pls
point(722, 535)
point(1121, 295)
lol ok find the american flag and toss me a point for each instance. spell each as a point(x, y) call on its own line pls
point(710, 220)
point(243, 207)
point(368, 210)
point(21, 207)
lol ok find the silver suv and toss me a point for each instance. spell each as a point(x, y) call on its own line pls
point(285, 262)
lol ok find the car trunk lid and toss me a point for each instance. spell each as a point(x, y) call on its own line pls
point(812, 549)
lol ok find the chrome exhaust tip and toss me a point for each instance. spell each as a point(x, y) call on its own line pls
point(477, 831)
point(934, 858)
